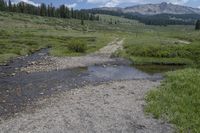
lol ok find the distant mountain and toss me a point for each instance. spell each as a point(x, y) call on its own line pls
point(153, 14)
point(154, 9)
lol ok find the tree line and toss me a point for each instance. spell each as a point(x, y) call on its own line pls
point(46, 10)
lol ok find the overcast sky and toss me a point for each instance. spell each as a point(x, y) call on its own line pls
point(78, 4)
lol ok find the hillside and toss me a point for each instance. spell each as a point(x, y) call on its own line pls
point(154, 14)
point(153, 9)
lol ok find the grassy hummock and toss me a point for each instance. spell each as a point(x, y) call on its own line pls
point(178, 100)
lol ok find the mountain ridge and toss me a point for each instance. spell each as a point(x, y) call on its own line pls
point(153, 9)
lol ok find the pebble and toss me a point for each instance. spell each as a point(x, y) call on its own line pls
point(13, 74)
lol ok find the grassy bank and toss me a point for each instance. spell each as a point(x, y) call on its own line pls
point(177, 100)
point(160, 45)
point(22, 34)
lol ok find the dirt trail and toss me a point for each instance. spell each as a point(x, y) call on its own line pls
point(110, 48)
point(56, 63)
point(113, 107)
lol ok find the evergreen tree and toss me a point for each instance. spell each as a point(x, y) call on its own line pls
point(21, 7)
point(46, 10)
point(2, 5)
point(197, 27)
point(14, 8)
point(72, 12)
point(43, 10)
point(49, 11)
point(9, 6)
point(62, 11)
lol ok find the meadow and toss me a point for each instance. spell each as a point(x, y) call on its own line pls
point(172, 45)
point(176, 100)
point(22, 34)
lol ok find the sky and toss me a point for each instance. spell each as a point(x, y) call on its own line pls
point(86, 4)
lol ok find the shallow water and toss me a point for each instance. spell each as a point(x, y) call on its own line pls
point(22, 89)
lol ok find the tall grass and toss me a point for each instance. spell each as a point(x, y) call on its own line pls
point(177, 100)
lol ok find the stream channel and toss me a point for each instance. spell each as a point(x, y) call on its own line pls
point(19, 90)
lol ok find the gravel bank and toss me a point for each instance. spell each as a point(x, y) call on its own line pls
point(112, 107)
point(49, 63)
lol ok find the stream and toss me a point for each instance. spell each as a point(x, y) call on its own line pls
point(19, 89)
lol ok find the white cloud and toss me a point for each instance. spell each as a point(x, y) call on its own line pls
point(27, 1)
point(71, 5)
point(199, 7)
point(112, 3)
point(179, 2)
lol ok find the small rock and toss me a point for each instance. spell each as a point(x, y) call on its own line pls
point(33, 63)
point(28, 72)
point(106, 102)
point(122, 87)
point(13, 74)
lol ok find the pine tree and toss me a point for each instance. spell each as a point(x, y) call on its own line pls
point(62, 11)
point(9, 6)
point(49, 11)
point(197, 27)
point(43, 10)
point(2, 5)
point(72, 12)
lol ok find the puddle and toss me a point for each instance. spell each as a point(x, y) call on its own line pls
point(22, 89)
point(118, 72)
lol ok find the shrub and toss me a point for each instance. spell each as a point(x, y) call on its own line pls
point(77, 46)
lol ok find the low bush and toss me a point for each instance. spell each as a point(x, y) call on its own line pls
point(77, 46)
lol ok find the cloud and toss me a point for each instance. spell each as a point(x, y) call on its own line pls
point(179, 2)
point(71, 5)
point(27, 1)
point(113, 3)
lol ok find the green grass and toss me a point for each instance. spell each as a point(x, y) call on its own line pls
point(162, 46)
point(177, 100)
point(22, 34)
point(5, 57)
point(160, 61)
